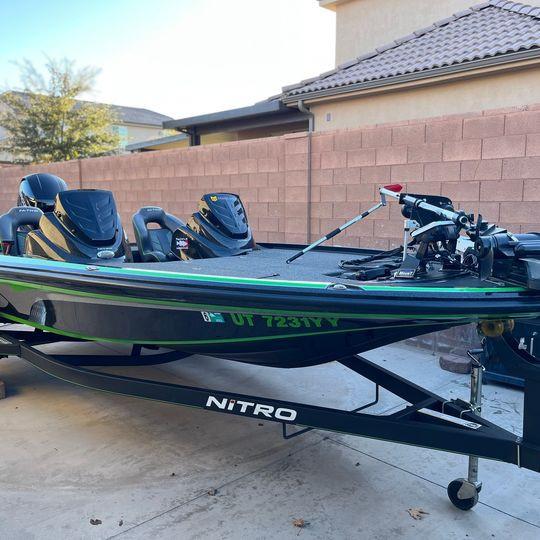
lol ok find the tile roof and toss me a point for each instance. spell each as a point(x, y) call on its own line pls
point(489, 30)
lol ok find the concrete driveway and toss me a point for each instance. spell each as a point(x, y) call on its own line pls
point(142, 469)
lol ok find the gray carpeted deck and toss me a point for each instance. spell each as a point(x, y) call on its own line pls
point(313, 266)
point(263, 263)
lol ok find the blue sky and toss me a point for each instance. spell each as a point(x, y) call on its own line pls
point(178, 57)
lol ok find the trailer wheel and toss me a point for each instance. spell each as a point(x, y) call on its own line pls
point(463, 494)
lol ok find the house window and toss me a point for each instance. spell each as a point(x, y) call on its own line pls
point(122, 132)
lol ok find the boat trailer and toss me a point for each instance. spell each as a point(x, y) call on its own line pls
point(427, 421)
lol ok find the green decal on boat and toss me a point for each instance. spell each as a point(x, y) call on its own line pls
point(390, 287)
point(145, 272)
point(212, 317)
point(45, 264)
point(276, 321)
point(180, 342)
point(127, 300)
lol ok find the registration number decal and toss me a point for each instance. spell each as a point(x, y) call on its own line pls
point(277, 321)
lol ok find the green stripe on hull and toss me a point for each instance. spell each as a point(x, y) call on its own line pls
point(20, 285)
point(78, 335)
point(390, 287)
point(143, 272)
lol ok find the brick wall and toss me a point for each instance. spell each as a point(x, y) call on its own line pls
point(487, 162)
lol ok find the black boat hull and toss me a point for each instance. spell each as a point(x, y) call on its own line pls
point(266, 322)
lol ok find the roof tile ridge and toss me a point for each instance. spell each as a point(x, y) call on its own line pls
point(516, 7)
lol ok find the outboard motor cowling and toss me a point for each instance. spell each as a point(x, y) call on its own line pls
point(219, 229)
point(40, 190)
point(84, 227)
point(221, 213)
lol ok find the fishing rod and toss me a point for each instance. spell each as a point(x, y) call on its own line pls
point(393, 190)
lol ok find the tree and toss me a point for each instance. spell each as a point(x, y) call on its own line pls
point(46, 122)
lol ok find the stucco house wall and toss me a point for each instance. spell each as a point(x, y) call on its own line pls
point(134, 133)
point(465, 95)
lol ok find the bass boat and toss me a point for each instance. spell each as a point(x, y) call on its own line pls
point(205, 286)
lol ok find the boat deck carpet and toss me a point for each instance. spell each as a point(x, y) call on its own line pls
point(317, 265)
point(263, 263)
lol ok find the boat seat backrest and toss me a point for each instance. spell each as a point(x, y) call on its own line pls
point(16, 224)
point(155, 244)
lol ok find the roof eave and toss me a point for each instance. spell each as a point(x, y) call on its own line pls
point(120, 121)
point(156, 142)
point(502, 61)
point(242, 113)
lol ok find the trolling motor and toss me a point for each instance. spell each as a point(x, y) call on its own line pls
point(427, 239)
point(490, 250)
point(459, 219)
point(444, 210)
point(433, 233)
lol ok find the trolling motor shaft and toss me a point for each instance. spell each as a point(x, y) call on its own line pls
point(393, 190)
point(335, 232)
point(354, 220)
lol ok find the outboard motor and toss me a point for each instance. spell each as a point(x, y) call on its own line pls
point(219, 229)
point(84, 227)
point(40, 190)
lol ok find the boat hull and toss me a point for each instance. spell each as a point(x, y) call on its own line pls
point(258, 321)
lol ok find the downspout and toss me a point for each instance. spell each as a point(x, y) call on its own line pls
point(311, 124)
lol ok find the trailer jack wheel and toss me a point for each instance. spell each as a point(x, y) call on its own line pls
point(463, 494)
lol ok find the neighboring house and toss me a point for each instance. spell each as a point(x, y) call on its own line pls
point(180, 140)
point(483, 57)
point(264, 119)
point(399, 60)
point(5, 158)
point(133, 126)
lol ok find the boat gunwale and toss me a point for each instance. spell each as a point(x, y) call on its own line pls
point(99, 274)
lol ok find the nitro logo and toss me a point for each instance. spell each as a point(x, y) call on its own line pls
point(251, 409)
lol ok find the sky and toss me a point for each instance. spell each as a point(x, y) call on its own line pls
point(177, 57)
